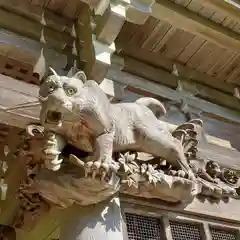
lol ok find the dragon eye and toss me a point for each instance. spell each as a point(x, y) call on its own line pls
point(70, 91)
point(51, 88)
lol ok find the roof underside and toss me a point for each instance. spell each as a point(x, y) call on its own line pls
point(158, 37)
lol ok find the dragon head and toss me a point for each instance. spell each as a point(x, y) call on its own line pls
point(57, 96)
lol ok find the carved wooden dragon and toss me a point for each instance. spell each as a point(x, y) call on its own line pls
point(77, 111)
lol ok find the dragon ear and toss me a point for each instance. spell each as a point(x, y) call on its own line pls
point(81, 76)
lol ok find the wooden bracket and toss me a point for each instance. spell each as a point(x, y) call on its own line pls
point(135, 11)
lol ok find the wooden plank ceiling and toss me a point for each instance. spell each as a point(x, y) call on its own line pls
point(158, 38)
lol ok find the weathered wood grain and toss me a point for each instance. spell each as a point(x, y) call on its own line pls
point(38, 14)
point(158, 60)
point(34, 30)
point(29, 51)
point(160, 90)
point(223, 214)
point(180, 17)
point(195, 88)
point(226, 7)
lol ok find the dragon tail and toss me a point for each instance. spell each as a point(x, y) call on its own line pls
point(154, 105)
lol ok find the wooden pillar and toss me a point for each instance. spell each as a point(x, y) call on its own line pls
point(102, 221)
point(167, 229)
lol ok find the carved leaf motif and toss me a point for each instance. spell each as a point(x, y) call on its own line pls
point(130, 182)
point(152, 174)
point(127, 163)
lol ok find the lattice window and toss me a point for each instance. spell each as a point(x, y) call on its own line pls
point(142, 228)
point(185, 231)
point(220, 234)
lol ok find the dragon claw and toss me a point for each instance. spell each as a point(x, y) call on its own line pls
point(96, 169)
point(92, 168)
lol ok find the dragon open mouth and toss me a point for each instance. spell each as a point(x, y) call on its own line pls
point(53, 117)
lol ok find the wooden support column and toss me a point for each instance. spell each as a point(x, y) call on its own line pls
point(205, 231)
point(96, 55)
point(167, 229)
point(102, 221)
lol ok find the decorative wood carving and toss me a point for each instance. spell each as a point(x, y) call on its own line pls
point(19, 165)
point(67, 148)
point(61, 167)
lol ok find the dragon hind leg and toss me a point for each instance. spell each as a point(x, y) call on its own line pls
point(163, 145)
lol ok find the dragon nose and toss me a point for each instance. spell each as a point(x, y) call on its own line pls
point(67, 104)
point(56, 100)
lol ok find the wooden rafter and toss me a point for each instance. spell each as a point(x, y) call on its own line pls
point(35, 30)
point(155, 59)
point(226, 7)
point(183, 18)
point(38, 14)
point(171, 94)
point(191, 86)
point(32, 52)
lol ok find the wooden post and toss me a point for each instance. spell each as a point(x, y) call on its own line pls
point(167, 229)
point(205, 231)
point(102, 221)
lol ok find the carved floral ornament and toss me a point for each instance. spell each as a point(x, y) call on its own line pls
point(87, 149)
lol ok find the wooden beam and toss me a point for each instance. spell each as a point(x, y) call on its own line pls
point(99, 34)
point(165, 92)
point(155, 59)
point(197, 211)
point(158, 75)
point(13, 92)
point(32, 52)
point(38, 14)
point(34, 30)
point(183, 18)
point(225, 7)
